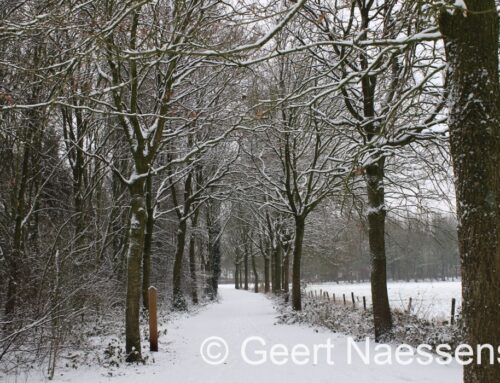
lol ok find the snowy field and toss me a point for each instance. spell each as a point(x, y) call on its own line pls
point(430, 300)
point(238, 316)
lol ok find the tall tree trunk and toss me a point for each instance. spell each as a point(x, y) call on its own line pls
point(272, 256)
point(179, 303)
point(214, 254)
point(277, 269)
point(297, 255)
point(236, 275)
point(74, 130)
point(245, 266)
point(148, 241)
point(16, 256)
point(15, 259)
point(382, 318)
point(471, 43)
point(192, 258)
point(286, 271)
point(178, 300)
point(376, 199)
point(119, 219)
point(266, 274)
point(138, 217)
point(255, 273)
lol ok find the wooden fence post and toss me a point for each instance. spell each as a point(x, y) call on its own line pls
point(453, 302)
point(343, 296)
point(364, 303)
point(333, 298)
point(353, 300)
point(153, 320)
point(409, 305)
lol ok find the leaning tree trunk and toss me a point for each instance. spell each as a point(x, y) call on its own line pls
point(382, 318)
point(297, 255)
point(471, 43)
point(138, 217)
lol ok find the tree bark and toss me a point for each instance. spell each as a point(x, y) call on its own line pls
point(255, 273)
point(148, 240)
point(273, 269)
point(16, 256)
point(375, 191)
point(138, 217)
point(277, 269)
point(382, 317)
point(179, 303)
point(214, 254)
point(119, 221)
point(178, 300)
point(192, 259)
point(16, 253)
point(286, 271)
point(471, 43)
point(297, 255)
point(266, 274)
point(236, 275)
point(245, 266)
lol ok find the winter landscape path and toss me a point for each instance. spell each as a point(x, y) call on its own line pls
point(242, 314)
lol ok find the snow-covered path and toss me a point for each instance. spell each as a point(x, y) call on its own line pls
point(242, 314)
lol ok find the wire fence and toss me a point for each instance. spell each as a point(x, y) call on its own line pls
point(409, 305)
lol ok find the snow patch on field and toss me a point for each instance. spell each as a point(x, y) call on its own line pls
point(430, 300)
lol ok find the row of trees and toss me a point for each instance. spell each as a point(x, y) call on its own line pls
point(415, 251)
point(138, 134)
point(110, 132)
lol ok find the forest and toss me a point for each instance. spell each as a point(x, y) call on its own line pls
point(189, 144)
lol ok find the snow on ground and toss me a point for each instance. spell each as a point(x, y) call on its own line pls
point(239, 315)
point(429, 299)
